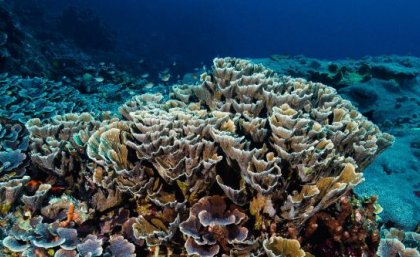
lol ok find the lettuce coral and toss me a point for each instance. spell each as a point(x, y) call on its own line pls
point(238, 165)
point(25, 98)
point(399, 243)
point(14, 143)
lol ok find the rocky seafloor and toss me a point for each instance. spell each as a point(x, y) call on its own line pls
point(282, 156)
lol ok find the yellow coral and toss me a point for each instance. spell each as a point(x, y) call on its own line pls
point(281, 247)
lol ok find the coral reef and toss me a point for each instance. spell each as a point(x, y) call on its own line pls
point(349, 228)
point(31, 45)
point(24, 98)
point(247, 163)
point(399, 243)
point(385, 89)
point(103, 90)
point(14, 143)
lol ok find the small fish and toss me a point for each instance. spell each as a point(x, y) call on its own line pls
point(174, 64)
point(57, 189)
point(99, 79)
point(33, 183)
point(141, 61)
point(165, 71)
point(165, 77)
point(149, 85)
point(87, 77)
point(145, 75)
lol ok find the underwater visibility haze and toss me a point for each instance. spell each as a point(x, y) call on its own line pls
point(209, 128)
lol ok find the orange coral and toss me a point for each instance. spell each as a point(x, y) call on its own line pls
point(71, 216)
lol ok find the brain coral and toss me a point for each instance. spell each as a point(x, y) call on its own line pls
point(236, 166)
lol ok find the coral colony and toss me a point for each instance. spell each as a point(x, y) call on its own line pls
point(247, 163)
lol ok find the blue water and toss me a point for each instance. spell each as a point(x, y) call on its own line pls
point(195, 31)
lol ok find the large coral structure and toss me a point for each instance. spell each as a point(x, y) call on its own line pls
point(240, 165)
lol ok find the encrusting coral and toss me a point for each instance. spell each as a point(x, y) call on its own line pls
point(242, 165)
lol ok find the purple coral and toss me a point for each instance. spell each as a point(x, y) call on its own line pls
point(121, 247)
point(92, 246)
point(212, 225)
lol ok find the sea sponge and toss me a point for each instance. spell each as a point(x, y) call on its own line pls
point(347, 228)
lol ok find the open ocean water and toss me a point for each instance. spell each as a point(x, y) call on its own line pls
point(209, 128)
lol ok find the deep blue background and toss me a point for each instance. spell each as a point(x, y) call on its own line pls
point(194, 31)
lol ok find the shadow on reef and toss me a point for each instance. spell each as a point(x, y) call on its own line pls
point(156, 181)
point(19, 51)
